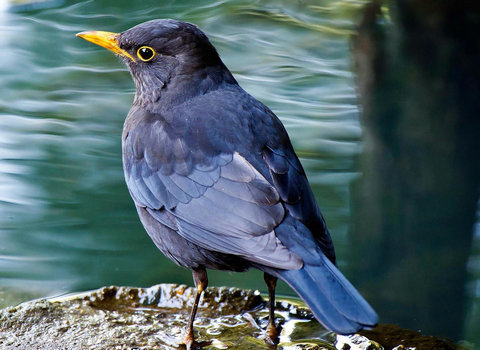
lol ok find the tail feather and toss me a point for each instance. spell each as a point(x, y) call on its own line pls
point(331, 297)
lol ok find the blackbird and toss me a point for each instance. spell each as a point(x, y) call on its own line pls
point(215, 180)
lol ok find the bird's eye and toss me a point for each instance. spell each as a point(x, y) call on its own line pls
point(145, 53)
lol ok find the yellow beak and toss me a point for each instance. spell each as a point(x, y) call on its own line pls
point(107, 40)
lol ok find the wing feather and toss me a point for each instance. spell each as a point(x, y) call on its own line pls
point(219, 202)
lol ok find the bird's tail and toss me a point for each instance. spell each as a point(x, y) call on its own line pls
point(331, 297)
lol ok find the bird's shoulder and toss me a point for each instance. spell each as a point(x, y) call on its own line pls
point(188, 148)
point(225, 120)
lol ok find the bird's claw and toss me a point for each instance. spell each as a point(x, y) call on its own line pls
point(193, 345)
point(271, 336)
point(188, 340)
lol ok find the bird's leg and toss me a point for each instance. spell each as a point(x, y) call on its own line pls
point(201, 281)
point(272, 334)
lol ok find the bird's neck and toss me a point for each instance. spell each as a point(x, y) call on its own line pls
point(162, 91)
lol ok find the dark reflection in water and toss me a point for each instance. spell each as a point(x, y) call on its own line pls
point(67, 222)
point(415, 206)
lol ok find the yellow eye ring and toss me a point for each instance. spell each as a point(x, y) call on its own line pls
point(146, 53)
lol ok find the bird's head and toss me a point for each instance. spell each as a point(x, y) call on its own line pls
point(161, 53)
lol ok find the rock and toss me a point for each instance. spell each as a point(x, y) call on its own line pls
point(155, 318)
point(151, 318)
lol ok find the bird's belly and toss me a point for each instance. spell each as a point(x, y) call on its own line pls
point(186, 253)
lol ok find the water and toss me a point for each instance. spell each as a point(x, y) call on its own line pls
point(67, 222)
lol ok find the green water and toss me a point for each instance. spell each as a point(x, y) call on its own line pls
point(67, 222)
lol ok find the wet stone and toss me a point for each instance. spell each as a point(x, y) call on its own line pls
point(155, 318)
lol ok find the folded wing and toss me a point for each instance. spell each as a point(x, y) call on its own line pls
point(217, 201)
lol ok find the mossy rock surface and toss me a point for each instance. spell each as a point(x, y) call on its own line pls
point(155, 318)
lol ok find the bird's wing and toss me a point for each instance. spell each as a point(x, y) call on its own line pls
point(217, 200)
point(295, 192)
